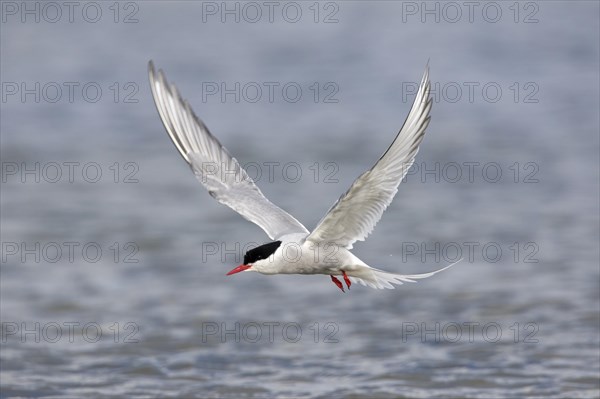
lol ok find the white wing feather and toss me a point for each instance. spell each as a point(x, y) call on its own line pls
point(217, 170)
point(355, 214)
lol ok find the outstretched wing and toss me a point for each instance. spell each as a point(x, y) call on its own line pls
point(217, 170)
point(356, 213)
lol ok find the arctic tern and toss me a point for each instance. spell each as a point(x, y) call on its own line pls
point(295, 250)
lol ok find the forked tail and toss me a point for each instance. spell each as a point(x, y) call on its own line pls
point(380, 279)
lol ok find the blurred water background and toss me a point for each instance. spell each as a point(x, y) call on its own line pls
point(507, 174)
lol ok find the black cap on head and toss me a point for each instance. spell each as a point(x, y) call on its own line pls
point(262, 252)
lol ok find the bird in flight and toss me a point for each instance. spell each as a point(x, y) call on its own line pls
point(294, 249)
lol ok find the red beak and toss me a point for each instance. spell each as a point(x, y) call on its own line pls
point(238, 269)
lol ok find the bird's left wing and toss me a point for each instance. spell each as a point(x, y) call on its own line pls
point(217, 170)
point(355, 214)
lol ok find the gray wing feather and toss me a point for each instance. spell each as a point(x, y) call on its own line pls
point(355, 214)
point(217, 170)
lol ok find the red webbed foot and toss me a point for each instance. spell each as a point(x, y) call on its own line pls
point(346, 279)
point(338, 283)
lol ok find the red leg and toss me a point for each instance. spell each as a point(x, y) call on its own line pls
point(346, 279)
point(338, 283)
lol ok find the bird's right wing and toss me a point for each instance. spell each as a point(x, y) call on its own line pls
point(217, 170)
point(355, 214)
